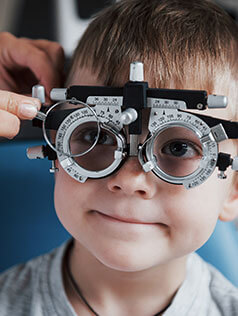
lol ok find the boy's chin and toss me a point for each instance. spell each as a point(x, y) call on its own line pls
point(124, 266)
point(125, 260)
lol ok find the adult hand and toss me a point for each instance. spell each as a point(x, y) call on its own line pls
point(25, 62)
point(14, 107)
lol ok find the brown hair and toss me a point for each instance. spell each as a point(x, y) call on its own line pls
point(189, 44)
point(182, 43)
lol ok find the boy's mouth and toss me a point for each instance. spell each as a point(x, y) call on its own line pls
point(117, 218)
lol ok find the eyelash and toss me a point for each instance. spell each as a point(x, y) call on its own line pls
point(85, 136)
point(196, 151)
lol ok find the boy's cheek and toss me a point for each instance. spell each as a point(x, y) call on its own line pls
point(71, 195)
point(191, 219)
point(182, 207)
point(202, 205)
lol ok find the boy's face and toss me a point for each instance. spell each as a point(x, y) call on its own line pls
point(132, 220)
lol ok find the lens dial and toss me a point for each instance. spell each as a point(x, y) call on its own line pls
point(90, 145)
point(181, 148)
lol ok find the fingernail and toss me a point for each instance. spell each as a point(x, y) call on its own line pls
point(27, 110)
point(37, 103)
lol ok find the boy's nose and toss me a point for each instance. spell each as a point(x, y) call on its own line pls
point(130, 180)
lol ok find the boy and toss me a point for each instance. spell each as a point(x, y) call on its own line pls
point(134, 234)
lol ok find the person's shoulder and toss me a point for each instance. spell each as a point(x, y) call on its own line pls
point(222, 290)
point(27, 271)
point(21, 284)
point(223, 294)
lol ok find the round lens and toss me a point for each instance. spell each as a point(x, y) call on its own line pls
point(101, 155)
point(56, 115)
point(83, 138)
point(178, 151)
point(69, 119)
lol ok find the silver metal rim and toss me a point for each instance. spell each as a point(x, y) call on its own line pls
point(47, 139)
point(209, 155)
point(75, 170)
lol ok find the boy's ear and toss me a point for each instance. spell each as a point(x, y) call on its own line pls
point(230, 206)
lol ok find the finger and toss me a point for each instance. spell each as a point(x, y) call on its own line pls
point(21, 106)
point(56, 54)
point(54, 51)
point(27, 55)
point(38, 57)
point(10, 124)
point(6, 81)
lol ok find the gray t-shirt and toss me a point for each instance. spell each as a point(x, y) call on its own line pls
point(36, 289)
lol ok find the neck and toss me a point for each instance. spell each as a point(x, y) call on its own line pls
point(129, 293)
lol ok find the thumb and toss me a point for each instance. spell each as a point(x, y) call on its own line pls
point(19, 105)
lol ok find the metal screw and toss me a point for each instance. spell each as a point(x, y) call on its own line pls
point(199, 106)
point(53, 169)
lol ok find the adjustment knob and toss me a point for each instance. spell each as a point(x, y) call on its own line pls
point(38, 91)
point(128, 116)
point(136, 71)
point(58, 94)
point(217, 101)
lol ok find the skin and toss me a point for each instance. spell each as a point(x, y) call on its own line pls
point(136, 268)
point(19, 72)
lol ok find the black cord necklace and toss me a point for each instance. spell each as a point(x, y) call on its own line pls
point(77, 290)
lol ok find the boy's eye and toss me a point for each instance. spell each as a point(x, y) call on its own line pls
point(181, 149)
point(88, 136)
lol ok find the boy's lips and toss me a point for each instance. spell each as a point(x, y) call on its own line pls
point(128, 220)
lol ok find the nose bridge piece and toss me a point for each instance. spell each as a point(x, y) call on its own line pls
point(133, 146)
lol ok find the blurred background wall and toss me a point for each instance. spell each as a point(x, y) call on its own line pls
point(59, 20)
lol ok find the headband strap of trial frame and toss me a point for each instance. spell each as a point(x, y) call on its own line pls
point(231, 128)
